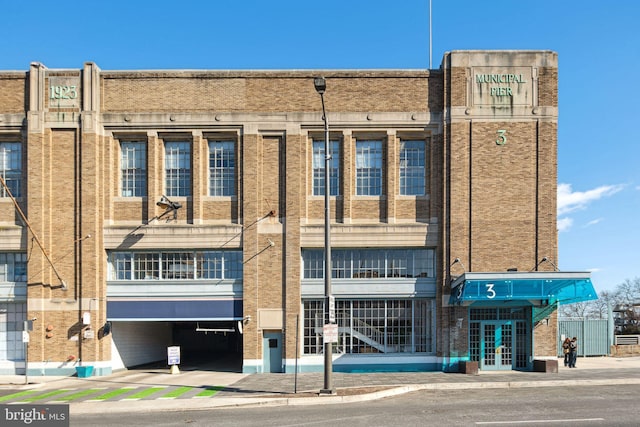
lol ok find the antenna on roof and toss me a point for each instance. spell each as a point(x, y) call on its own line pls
point(430, 38)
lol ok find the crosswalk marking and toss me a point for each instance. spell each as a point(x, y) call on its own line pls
point(144, 393)
point(31, 399)
point(177, 392)
point(80, 394)
point(112, 394)
point(16, 395)
point(105, 394)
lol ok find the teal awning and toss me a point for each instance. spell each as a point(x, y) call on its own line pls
point(538, 288)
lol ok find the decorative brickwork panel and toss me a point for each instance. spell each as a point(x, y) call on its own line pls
point(544, 336)
point(129, 211)
point(436, 91)
point(270, 283)
point(548, 86)
point(295, 178)
point(503, 197)
point(370, 210)
point(547, 193)
point(251, 245)
point(12, 94)
point(220, 210)
point(174, 92)
point(459, 192)
point(315, 211)
point(459, 87)
point(8, 212)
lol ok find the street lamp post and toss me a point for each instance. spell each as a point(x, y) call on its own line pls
point(321, 85)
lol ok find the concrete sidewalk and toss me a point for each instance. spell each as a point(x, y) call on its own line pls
point(158, 390)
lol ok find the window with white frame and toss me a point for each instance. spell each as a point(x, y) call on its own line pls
point(370, 263)
point(133, 169)
point(412, 168)
point(219, 264)
point(176, 265)
point(318, 168)
point(372, 326)
point(12, 317)
point(177, 164)
point(11, 168)
point(13, 267)
point(222, 168)
point(368, 168)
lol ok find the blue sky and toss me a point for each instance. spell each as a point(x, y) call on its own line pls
point(598, 44)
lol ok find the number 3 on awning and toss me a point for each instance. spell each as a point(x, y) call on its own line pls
point(490, 292)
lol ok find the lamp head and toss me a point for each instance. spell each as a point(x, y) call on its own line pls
point(320, 84)
point(165, 203)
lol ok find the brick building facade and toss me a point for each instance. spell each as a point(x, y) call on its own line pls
point(151, 209)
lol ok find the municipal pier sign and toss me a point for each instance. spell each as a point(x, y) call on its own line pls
point(502, 86)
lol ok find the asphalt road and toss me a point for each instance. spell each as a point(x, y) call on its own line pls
point(557, 406)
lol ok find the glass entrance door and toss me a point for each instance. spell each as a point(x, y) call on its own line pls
point(500, 338)
point(496, 345)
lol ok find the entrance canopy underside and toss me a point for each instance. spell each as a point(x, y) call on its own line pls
point(174, 310)
point(536, 288)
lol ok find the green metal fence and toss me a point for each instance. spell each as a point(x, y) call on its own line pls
point(594, 336)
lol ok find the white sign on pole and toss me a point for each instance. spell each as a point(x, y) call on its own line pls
point(25, 336)
point(173, 354)
point(332, 309)
point(330, 332)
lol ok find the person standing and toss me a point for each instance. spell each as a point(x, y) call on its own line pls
point(573, 352)
point(566, 348)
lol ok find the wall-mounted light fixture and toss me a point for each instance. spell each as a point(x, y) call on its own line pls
point(241, 323)
point(457, 261)
point(545, 259)
point(168, 206)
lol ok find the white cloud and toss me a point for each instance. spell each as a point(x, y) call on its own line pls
point(564, 224)
point(593, 222)
point(569, 200)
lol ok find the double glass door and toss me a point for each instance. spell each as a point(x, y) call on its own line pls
point(496, 345)
point(500, 338)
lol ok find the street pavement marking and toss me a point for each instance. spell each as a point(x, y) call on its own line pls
point(570, 420)
point(111, 394)
point(144, 393)
point(42, 396)
point(71, 395)
point(80, 394)
point(176, 393)
point(210, 391)
point(16, 395)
